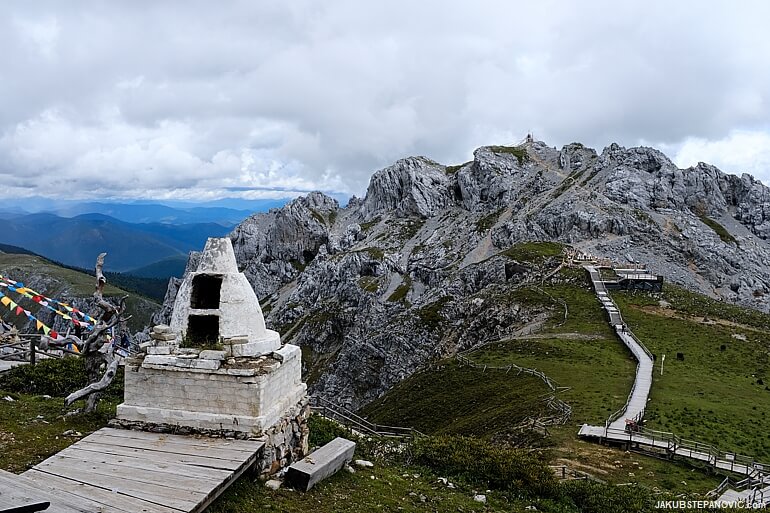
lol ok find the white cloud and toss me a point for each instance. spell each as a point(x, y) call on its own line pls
point(193, 98)
point(740, 152)
point(42, 34)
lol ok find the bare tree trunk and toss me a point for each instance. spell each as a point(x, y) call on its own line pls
point(93, 363)
point(90, 347)
point(96, 386)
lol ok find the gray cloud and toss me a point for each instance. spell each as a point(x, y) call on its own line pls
point(201, 99)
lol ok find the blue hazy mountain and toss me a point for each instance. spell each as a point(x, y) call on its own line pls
point(156, 213)
point(228, 211)
point(77, 240)
point(171, 266)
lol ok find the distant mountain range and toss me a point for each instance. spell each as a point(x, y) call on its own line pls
point(171, 266)
point(155, 213)
point(144, 239)
point(435, 258)
point(227, 212)
point(76, 241)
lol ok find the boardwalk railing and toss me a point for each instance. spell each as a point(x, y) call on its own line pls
point(724, 485)
point(675, 445)
point(23, 349)
point(758, 473)
point(616, 319)
point(615, 416)
point(349, 419)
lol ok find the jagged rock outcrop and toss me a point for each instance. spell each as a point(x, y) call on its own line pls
point(412, 186)
point(423, 265)
point(272, 249)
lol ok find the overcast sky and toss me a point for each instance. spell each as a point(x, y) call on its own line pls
point(207, 99)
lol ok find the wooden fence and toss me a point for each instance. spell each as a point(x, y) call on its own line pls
point(22, 348)
point(564, 410)
point(355, 422)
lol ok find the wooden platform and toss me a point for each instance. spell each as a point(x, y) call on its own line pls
point(10, 364)
point(123, 471)
point(19, 492)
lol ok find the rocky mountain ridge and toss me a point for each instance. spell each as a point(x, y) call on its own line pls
point(429, 261)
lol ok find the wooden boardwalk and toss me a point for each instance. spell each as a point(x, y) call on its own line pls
point(676, 446)
point(124, 471)
point(637, 399)
point(672, 445)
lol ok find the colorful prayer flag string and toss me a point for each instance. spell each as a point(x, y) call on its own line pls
point(70, 314)
point(15, 308)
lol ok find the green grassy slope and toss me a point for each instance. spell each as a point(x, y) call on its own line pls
point(79, 284)
point(450, 399)
point(715, 394)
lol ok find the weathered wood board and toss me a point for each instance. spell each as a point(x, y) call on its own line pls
point(123, 471)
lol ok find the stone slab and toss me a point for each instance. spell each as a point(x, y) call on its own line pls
point(319, 465)
point(193, 419)
point(161, 350)
point(212, 355)
point(155, 359)
point(287, 352)
point(252, 348)
point(165, 337)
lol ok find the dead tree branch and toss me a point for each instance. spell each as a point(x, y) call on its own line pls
point(93, 347)
point(108, 309)
point(98, 386)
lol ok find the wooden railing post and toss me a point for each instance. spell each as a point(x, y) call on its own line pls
point(32, 351)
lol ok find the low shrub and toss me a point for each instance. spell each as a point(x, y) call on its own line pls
point(323, 431)
point(54, 377)
point(593, 497)
point(483, 463)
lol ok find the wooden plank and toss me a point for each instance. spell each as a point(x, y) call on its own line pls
point(249, 463)
point(121, 471)
point(209, 453)
point(152, 492)
point(178, 481)
point(209, 491)
point(14, 496)
point(31, 507)
point(143, 463)
point(111, 502)
point(17, 490)
point(10, 364)
point(172, 447)
point(223, 443)
point(237, 447)
point(186, 459)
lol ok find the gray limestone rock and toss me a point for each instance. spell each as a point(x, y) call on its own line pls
point(416, 270)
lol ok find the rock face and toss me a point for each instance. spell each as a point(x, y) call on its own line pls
point(414, 186)
point(272, 249)
point(425, 264)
